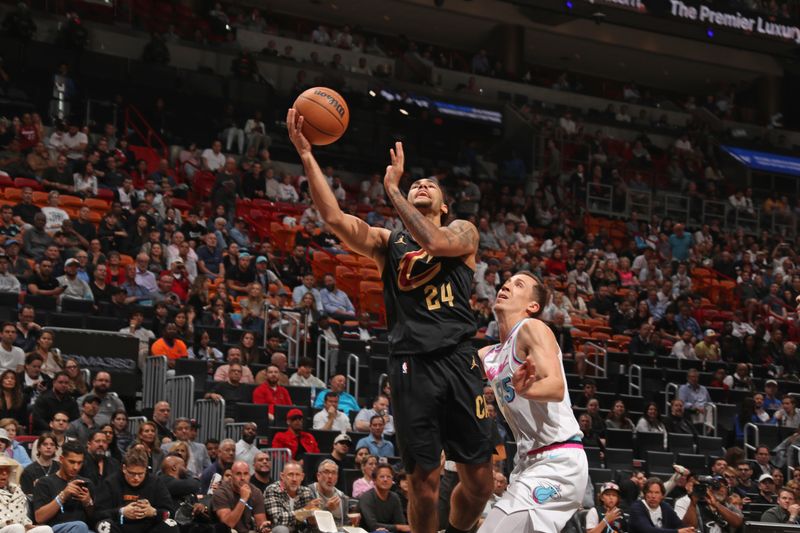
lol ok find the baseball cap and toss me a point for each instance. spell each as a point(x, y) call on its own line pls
point(177, 261)
point(4, 435)
point(9, 242)
point(261, 259)
point(710, 333)
point(770, 382)
point(294, 413)
point(765, 477)
point(244, 254)
point(90, 398)
point(71, 261)
point(610, 485)
point(342, 437)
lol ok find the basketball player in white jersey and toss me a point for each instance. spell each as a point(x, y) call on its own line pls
point(527, 375)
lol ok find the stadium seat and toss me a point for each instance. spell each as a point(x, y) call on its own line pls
point(649, 441)
point(619, 438)
point(695, 463)
point(321, 264)
point(300, 395)
point(74, 305)
point(600, 475)
point(21, 183)
point(593, 457)
point(252, 412)
point(41, 303)
point(710, 446)
point(196, 368)
point(67, 320)
point(659, 462)
point(681, 443)
point(619, 459)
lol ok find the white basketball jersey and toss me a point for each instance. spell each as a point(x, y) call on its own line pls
point(535, 424)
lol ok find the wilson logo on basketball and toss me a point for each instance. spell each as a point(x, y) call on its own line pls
point(332, 101)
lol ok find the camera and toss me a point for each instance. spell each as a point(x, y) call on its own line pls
point(704, 483)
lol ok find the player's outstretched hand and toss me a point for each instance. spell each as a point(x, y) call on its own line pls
point(394, 172)
point(294, 123)
point(523, 377)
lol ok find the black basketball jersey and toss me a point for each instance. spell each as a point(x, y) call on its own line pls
point(427, 298)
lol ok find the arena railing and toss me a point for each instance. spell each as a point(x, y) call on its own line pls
point(791, 458)
point(211, 415)
point(134, 422)
point(278, 457)
point(234, 430)
point(751, 442)
point(353, 374)
point(179, 393)
point(670, 392)
point(593, 358)
point(292, 327)
point(154, 381)
point(323, 358)
point(635, 373)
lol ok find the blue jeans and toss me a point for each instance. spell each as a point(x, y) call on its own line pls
point(71, 527)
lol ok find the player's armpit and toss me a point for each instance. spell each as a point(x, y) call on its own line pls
point(540, 349)
point(362, 238)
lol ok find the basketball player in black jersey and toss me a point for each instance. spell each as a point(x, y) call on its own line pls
point(437, 389)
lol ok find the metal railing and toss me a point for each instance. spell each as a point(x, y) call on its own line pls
point(293, 326)
point(670, 392)
point(600, 368)
point(791, 458)
point(710, 426)
point(676, 207)
point(212, 415)
point(352, 377)
point(234, 430)
point(134, 422)
point(154, 381)
point(600, 199)
point(635, 371)
point(323, 359)
point(278, 457)
point(179, 393)
point(750, 445)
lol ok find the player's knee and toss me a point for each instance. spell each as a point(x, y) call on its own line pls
point(425, 486)
point(477, 483)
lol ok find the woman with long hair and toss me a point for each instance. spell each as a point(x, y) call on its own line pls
point(253, 307)
point(618, 417)
point(13, 401)
point(147, 436)
point(52, 362)
point(158, 261)
point(308, 313)
point(574, 302)
point(202, 349)
point(77, 381)
point(651, 421)
point(249, 349)
point(184, 325)
point(111, 439)
point(365, 482)
point(181, 449)
point(124, 438)
point(361, 454)
point(46, 447)
point(199, 298)
point(33, 381)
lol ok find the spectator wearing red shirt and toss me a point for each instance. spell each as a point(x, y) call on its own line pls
point(28, 134)
point(294, 438)
point(556, 264)
point(272, 394)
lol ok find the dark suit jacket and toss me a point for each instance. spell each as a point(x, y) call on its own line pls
point(640, 519)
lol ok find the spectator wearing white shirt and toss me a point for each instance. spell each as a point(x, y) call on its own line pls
point(740, 202)
point(622, 115)
point(523, 237)
point(486, 287)
point(380, 407)
point(286, 191)
point(321, 36)
point(74, 143)
point(8, 282)
point(361, 67)
point(256, 132)
point(213, 158)
point(86, 182)
point(567, 124)
point(684, 348)
point(683, 144)
point(741, 329)
point(304, 377)
point(54, 214)
point(581, 277)
point(330, 418)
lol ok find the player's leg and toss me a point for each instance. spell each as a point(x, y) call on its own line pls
point(470, 495)
point(499, 522)
point(417, 402)
point(468, 437)
point(423, 500)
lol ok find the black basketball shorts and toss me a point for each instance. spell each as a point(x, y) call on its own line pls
point(438, 404)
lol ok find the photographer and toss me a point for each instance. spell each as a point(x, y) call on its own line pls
point(607, 515)
point(707, 494)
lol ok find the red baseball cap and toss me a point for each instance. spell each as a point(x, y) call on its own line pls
point(293, 413)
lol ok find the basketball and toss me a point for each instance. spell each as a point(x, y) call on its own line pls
point(325, 115)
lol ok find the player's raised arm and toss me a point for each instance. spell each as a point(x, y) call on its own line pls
point(459, 239)
point(354, 232)
point(540, 377)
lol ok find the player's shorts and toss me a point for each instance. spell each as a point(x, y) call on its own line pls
point(545, 490)
point(438, 404)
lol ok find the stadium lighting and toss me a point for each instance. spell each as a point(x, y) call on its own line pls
point(372, 93)
point(569, 4)
point(403, 112)
point(710, 33)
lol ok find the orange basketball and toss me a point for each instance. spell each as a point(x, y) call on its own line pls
point(325, 115)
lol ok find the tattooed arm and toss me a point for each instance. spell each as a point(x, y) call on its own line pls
point(459, 239)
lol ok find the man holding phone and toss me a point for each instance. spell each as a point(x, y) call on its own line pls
point(64, 500)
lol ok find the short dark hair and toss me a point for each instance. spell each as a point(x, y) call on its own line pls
point(212, 440)
point(33, 356)
point(306, 361)
point(61, 373)
point(382, 466)
point(94, 433)
point(73, 446)
point(374, 417)
point(331, 394)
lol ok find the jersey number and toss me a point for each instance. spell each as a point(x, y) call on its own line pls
point(435, 297)
point(508, 391)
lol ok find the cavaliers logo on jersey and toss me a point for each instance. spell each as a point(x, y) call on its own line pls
point(416, 269)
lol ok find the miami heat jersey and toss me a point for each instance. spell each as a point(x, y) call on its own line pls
point(427, 298)
point(534, 424)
